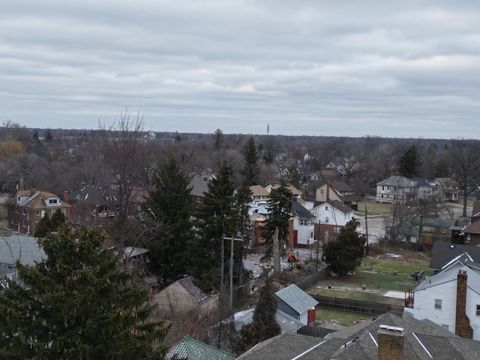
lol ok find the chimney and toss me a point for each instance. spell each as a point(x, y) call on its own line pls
point(390, 342)
point(66, 198)
point(327, 199)
point(462, 322)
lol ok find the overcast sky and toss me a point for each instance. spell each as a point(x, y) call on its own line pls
point(389, 68)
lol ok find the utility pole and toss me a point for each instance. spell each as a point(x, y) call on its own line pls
point(366, 228)
point(232, 239)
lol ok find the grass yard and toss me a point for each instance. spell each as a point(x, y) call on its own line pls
point(339, 317)
point(389, 273)
point(380, 274)
point(374, 208)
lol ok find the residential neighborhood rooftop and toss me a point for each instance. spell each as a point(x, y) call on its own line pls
point(296, 298)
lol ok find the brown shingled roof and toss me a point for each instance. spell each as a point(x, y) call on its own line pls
point(474, 228)
point(37, 199)
point(258, 190)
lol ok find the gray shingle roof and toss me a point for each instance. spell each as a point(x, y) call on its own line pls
point(287, 323)
point(443, 253)
point(22, 248)
point(192, 289)
point(359, 342)
point(298, 210)
point(296, 298)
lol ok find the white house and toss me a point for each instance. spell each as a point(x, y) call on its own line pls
point(451, 299)
point(404, 189)
point(332, 213)
point(259, 194)
point(302, 226)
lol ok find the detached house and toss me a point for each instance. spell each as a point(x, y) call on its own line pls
point(301, 226)
point(28, 207)
point(451, 298)
point(335, 190)
point(330, 217)
point(399, 188)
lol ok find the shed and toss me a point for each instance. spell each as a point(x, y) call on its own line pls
point(297, 303)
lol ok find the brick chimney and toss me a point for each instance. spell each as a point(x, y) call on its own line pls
point(462, 322)
point(66, 198)
point(327, 196)
point(390, 342)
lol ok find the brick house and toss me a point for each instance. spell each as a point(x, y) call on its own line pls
point(28, 207)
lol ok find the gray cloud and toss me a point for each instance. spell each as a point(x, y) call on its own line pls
point(352, 68)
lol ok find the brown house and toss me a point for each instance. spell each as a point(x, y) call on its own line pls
point(28, 207)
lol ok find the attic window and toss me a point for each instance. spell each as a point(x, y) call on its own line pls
point(53, 201)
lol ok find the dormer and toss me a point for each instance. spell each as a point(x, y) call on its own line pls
point(52, 201)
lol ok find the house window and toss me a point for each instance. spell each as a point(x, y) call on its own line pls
point(52, 201)
point(321, 191)
point(303, 222)
point(326, 220)
point(311, 234)
point(438, 304)
point(478, 310)
point(326, 207)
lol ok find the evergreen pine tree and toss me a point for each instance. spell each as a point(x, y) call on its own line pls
point(344, 254)
point(169, 208)
point(57, 220)
point(217, 216)
point(279, 212)
point(43, 227)
point(77, 304)
point(218, 139)
point(251, 170)
point(264, 325)
point(409, 163)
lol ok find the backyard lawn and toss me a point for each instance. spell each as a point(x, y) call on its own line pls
point(339, 317)
point(374, 208)
point(379, 274)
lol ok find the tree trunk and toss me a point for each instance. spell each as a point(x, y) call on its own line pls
point(276, 253)
point(464, 200)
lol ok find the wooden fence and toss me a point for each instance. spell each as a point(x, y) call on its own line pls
point(359, 306)
point(312, 279)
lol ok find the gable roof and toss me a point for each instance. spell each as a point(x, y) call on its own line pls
point(450, 274)
point(476, 208)
point(298, 210)
point(38, 199)
point(258, 190)
point(360, 342)
point(26, 249)
point(399, 181)
point(473, 228)
point(444, 253)
point(341, 186)
point(296, 298)
point(192, 289)
point(199, 185)
point(191, 349)
point(287, 323)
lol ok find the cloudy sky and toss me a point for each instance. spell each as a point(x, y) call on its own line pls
point(403, 68)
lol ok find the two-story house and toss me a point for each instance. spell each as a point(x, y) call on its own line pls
point(28, 207)
point(450, 298)
point(399, 188)
point(301, 226)
point(330, 217)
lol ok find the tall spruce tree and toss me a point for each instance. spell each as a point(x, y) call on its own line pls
point(264, 325)
point(169, 208)
point(217, 216)
point(47, 225)
point(410, 162)
point(344, 254)
point(251, 170)
point(77, 304)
